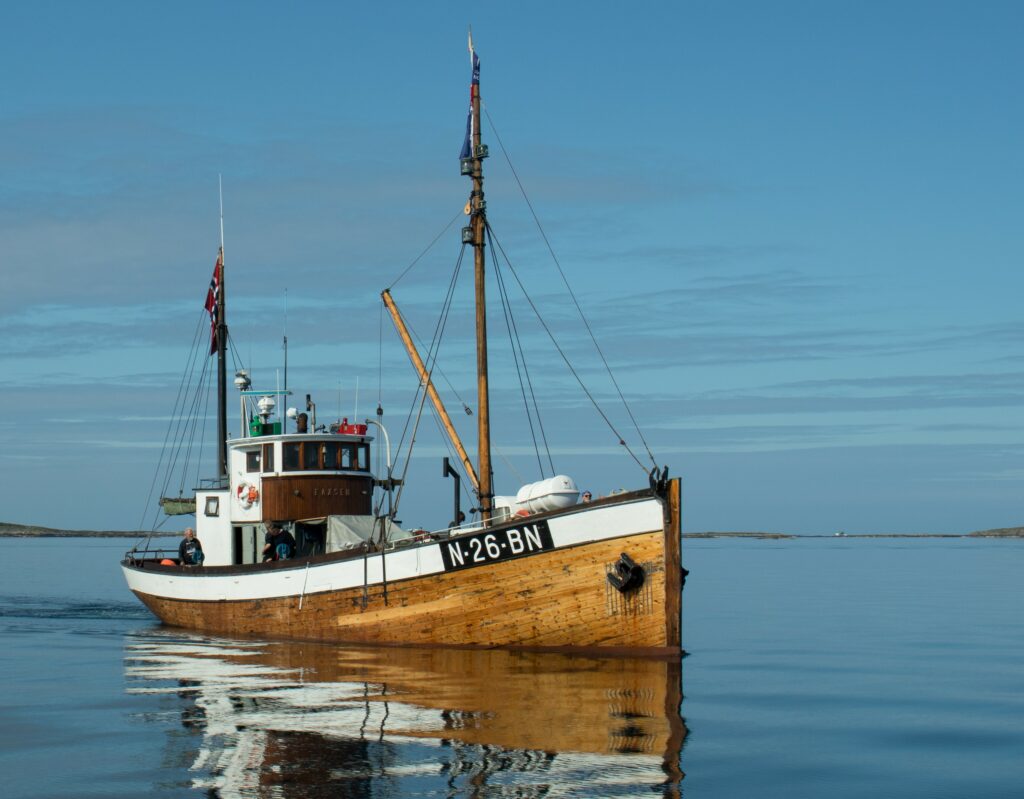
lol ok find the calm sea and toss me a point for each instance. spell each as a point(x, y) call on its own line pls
point(817, 668)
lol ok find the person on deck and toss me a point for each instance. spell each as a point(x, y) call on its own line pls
point(586, 496)
point(190, 551)
point(280, 545)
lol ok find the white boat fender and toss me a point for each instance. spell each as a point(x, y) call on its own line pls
point(626, 575)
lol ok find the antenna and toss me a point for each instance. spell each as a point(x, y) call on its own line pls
point(355, 411)
point(220, 190)
point(285, 343)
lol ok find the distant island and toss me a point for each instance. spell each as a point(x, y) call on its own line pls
point(10, 530)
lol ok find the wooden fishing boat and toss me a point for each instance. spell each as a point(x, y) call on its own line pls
point(539, 570)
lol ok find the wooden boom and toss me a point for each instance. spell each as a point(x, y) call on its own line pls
point(421, 370)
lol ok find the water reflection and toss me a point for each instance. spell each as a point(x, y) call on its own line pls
point(303, 720)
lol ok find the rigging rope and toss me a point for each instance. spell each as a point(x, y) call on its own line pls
point(183, 385)
point(186, 425)
point(192, 425)
point(568, 287)
point(202, 436)
point(444, 315)
point(453, 459)
point(430, 360)
point(513, 336)
point(425, 251)
point(440, 371)
point(380, 355)
point(561, 352)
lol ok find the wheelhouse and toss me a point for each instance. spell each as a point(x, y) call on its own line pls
point(299, 479)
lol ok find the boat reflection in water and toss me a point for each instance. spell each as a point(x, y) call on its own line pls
point(292, 719)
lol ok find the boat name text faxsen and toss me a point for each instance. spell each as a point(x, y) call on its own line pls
point(332, 492)
point(496, 545)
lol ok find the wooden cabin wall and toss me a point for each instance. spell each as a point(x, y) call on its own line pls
point(309, 496)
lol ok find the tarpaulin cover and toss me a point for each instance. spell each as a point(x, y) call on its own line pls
point(345, 532)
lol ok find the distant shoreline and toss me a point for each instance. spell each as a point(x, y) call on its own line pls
point(8, 530)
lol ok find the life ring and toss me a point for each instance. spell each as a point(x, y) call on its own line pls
point(248, 495)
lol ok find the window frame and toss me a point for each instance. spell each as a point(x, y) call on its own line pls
point(250, 454)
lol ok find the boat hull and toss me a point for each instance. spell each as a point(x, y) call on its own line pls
point(559, 597)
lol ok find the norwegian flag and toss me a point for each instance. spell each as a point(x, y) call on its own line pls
point(474, 91)
point(213, 304)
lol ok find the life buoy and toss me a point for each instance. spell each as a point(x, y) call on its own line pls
point(248, 495)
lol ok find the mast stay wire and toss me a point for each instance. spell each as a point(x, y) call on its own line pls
point(427, 249)
point(568, 287)
point(561, 352)
point(380, 386)
point(183, 387)
point(440, 322)
point(184, 423)
point(422, 386)
point(453, 459)
point(202, 436)
point(437, 367)
point(456, 462)
point(422, 401)
point(514, 342)
point(380, 355)
point(508, 463)
point(189, 420)
point(193, 424)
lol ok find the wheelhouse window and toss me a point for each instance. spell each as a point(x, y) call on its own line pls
point(290, 457)
point(331, 455)
point(310, 456)
point(252, 461)
point(355, 456)
point(268, 457)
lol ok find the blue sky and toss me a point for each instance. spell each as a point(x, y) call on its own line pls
point(795, 229)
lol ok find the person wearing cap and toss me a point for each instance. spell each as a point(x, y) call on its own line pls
point(280, 545)
point(586, 496)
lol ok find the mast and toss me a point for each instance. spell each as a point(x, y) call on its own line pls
point(473, 153)
point(421, 370)
point(222, 343)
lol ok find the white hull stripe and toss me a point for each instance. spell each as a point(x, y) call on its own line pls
point(597, 524)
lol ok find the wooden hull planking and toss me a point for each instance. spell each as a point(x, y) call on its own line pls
point(552, 599)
